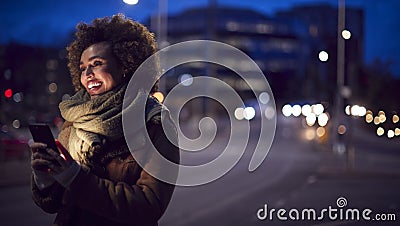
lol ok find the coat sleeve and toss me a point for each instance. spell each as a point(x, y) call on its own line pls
point(48, 199)
point(143, 202)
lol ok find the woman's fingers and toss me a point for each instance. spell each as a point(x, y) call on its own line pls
point(55, 168)
point(47, 159)
point(58, 158)
point(35, 146)
point(40, 164)
point(45, 165)
point(64, 151)
point(42, 155)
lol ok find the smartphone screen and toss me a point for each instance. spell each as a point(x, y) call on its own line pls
point(42, 133)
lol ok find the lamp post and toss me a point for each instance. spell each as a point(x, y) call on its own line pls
point(162, 23)
point(162, 32)
point(337, 146)
point(159, 25)
point(342, 91)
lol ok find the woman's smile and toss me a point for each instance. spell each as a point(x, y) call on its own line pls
point(93, 86)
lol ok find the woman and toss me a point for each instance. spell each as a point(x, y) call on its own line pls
point(93, 179)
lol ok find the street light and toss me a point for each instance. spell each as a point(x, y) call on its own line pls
point(346, 34)
point(160, 28)
point(131, 2)
point(323, 56)
point(160, 25)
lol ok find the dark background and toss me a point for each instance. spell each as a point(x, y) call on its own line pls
point(304, 169)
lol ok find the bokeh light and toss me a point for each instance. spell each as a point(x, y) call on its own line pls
point(347, 110)
point(239, 113)
point(397, 132)
point(306, 110)
point(376, 120)
point(382, 118)
point(323, 56)
point(342, 129)
point(357, 110)
point(264, 98)
point(390, 133)
point(131, 2)
point(323, 119)
point(309, 134)
point(52, 87)
point(269, 112)
point(249, 113)
point(159, 96)
point(16, 124)
point(287, 110)
point(346, 34)
point(318, 109)
point(8, 93)
point(296, 110)
point(395, 118)
point(380, 131)
point(362, 111)
point(369, 118)
point(186, 79)
point(321, 131)
point(310, 119)
point(18, 97)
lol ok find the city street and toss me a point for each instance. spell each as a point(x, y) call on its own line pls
point(296, 174)
point(328, 71)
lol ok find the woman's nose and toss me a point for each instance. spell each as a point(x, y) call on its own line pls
point(89, 71)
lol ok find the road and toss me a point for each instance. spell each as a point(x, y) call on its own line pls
point(297, 174)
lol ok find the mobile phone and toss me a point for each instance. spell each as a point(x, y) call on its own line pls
point(42, 133)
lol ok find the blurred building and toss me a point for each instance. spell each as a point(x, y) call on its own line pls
point(285, 46)
point(279, 46)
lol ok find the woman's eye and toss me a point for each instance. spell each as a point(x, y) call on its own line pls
point(97, 63)
point(82, 69)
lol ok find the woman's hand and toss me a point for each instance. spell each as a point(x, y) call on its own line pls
point(41, 159)
point(50, 165)
point(65, 168)
point(61, 159)
point(40, 163)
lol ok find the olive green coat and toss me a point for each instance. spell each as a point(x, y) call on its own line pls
point(118, 192)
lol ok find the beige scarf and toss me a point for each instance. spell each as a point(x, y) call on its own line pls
point(95, 121)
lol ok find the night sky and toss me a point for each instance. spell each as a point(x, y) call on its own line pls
point(50, 22)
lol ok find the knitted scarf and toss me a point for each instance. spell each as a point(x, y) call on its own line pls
point(95, 122)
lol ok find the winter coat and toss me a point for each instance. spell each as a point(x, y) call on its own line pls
point(118, 192)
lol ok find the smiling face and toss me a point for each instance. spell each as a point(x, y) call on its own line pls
point(100, 70)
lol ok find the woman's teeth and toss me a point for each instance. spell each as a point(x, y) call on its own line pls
point(94, 84)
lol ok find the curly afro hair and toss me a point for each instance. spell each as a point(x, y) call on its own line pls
point(131, 42)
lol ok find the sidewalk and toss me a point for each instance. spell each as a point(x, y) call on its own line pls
point(359, 163)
